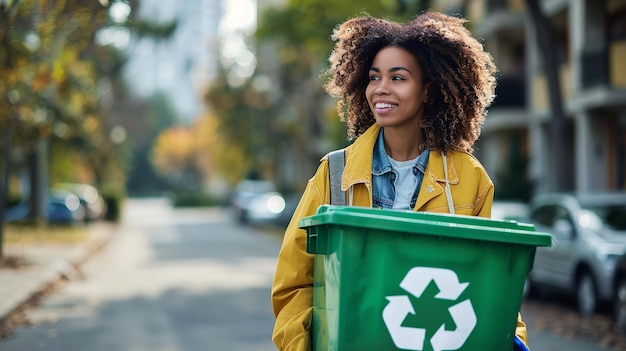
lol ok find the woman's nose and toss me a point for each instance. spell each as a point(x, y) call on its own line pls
point(382, 87)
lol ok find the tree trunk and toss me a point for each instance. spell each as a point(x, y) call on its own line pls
point(38, 181)
point(547, 43)
point(4, 183)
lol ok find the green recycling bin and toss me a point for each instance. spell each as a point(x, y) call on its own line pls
point(404, 280)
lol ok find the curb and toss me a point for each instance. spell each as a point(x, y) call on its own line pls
point(68, 268)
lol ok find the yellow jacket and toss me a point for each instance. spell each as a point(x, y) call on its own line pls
point(292, 290)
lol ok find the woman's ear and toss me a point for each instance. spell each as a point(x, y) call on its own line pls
point(426, 90)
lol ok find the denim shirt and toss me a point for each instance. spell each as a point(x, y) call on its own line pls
point(384, 176)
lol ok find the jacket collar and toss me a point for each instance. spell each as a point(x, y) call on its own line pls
point(380, 160)
point(359, 159)
point(435, 168)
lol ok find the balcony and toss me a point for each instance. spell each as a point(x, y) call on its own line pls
point(594, 69)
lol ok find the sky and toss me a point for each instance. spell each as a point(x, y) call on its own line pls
point(239, 15)
point(182, 65)
point(239, 20)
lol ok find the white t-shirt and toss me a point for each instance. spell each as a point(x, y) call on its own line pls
point(405, 183)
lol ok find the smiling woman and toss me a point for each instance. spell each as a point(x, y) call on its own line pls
point(414, 96)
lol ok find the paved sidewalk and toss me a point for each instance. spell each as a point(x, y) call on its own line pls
point(48, 263)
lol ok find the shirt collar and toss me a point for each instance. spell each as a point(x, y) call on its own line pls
point(422, 160)
point(380, 163)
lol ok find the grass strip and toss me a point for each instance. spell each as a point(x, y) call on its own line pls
point(29, 234)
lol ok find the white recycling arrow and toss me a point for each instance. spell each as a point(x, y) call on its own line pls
point(418, 278)
point(465, 320)
point(415, 282)
point(395, 312)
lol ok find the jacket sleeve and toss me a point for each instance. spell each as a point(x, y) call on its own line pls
point(292, 289)
point(484, 194)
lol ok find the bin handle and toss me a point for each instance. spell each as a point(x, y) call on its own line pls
point(312, 243)
point(445, 175)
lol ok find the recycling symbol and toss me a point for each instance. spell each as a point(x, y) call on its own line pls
point(399, 307)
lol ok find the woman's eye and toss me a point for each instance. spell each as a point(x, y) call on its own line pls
point(373, 77)
point(398, 78)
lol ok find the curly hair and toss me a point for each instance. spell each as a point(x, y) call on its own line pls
point(461, 75)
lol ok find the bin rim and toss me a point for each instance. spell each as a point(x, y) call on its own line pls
point(423, 223)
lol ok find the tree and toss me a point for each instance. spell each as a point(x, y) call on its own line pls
point(289, 116)
point(145, 120)
point(173, 153)
point(7, 61)
point(51, 67)
point(217, 159)
point(51, 77)
point(547, 42)
point(240, 111)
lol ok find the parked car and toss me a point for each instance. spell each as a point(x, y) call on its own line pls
point(90, 198)
point(509, 210)
point(63, 207)
point(589, 236)
point(257, 201)
point(291, 203)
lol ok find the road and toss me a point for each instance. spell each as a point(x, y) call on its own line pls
point(554, 325)
point(190, 279)
point(169, 281)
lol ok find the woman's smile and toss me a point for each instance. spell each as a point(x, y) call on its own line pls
point(384, 107)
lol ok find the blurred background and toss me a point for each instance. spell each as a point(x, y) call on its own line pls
point(186, 99)
point(165, 108)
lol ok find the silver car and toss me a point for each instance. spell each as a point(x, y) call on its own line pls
point(589, 235)
point(256, 201)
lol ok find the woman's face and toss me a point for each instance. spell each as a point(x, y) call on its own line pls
point(396, 90)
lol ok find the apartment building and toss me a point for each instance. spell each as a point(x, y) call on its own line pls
point(591, 54)
point(182, 65)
